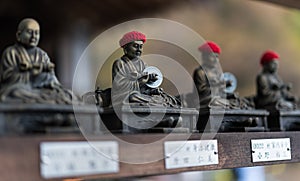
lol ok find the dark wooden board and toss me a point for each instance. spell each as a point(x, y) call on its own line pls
point(20, 154)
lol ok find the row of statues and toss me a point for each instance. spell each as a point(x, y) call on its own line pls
point(272, 92)
point(27, 76)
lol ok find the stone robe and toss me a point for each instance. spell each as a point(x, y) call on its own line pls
point(210, 88)
point(126, 87)
point(272, 92)
point(35, 84)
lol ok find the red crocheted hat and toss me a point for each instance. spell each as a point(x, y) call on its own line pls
point(210, 46)
point(268, 56)
point(132, 36)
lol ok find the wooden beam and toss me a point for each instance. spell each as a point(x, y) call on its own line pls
point(20, 155)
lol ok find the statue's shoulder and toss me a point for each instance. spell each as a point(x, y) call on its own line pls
point(263, 77)
point(41, 51)
point(199, 70)
point(118, 62)
point(10, 49)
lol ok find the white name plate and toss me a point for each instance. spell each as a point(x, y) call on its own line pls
point(271, 149)
point(180, 154)
point(64, 159)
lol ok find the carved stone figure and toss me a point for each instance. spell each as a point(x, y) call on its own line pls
point(210, 84)
point(26, 72)
point(215, 93)
point(272, 92)
point(130, 80)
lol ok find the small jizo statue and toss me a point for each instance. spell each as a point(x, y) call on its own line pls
point(26, 72)
point(272, 92)
point(130, 80)
point(210, 83)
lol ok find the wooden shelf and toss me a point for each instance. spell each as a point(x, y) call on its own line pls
point(20, 157)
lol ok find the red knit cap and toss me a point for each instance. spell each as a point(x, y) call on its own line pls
point(132, 36)
point(210, 46)
point(268, 56)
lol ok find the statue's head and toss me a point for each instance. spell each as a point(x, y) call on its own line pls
point(132, 44)
point(210, 53)
point(269, 61)
point(28, 32)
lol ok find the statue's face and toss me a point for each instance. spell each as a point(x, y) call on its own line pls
point(210, 59)
point(271, 66)
point(134, 49)
point(30, 35)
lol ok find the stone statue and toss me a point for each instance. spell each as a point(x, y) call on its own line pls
point(210, 84)
point(272, 93)
point(215, 93)
point(26, 72)
point(130, 80)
